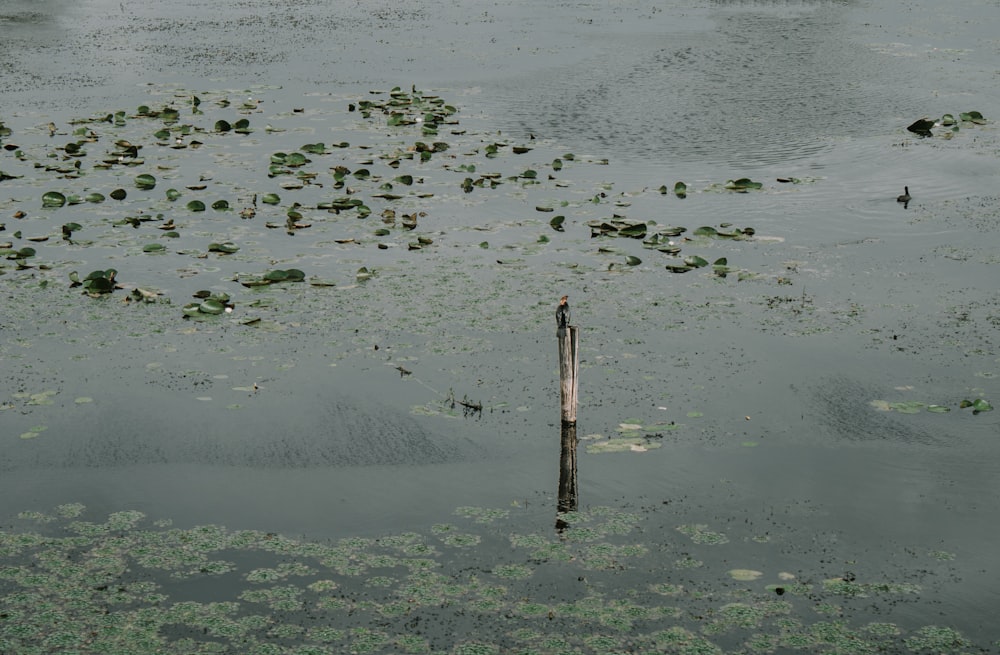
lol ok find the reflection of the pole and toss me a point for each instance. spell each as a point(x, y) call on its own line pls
point(567, 474)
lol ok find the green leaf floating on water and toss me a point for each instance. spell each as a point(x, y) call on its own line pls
point(145, 181)
point(212, 306)
point(271, 277)
point(973, 117)
point(154, 247)
point(921, 126)
point(977, 405)
point(743, 184)
point(96, 283)
point(296, 159)
point(226, 248)
point(635, 230)
point(196, 206)
point(680, 190)
point(53, 199)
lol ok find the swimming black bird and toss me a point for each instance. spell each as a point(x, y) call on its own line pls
point(906, 195)
point(562, 315)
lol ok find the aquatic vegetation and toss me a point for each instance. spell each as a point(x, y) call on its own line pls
point(171, 144)
point(978, 405)
point(700, 534)
point(355, 214)
point(924, 126)
point(80, 583)
point(915, 406)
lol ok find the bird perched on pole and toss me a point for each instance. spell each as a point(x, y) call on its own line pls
point(562, 316)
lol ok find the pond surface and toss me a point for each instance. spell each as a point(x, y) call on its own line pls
point(799, 415)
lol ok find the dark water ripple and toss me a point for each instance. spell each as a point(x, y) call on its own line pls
point(768, 84)
point(327, 432)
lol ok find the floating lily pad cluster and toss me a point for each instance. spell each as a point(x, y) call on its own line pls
point(209, 303)
point(96, 283)
point(272, 277)
point(20, 256)
point(915, 406)
point(617, 226)
point(294, 187)
point(666, 240)
point(741, 185)
point(978, 405)
point(924, 126)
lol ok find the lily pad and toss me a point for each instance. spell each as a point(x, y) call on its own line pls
point(635, 230)
point(226, 248)
point(53, 199)
point(743, 184)
point(97, 282)
point(973, 117)
point(978, 405)
point(212, 306)
point(921, 126)
point(145, 181)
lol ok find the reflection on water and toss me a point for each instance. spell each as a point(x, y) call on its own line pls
point(745, 84)
point(568, 490)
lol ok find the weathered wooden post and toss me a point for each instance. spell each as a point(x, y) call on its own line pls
point(569, 367)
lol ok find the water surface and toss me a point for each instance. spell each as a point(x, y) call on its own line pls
point(856, 298)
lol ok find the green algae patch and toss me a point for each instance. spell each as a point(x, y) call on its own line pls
point(268, 590)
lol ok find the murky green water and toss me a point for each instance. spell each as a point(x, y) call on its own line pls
point(766, 391)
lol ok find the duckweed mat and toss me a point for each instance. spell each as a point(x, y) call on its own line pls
point(478, 585)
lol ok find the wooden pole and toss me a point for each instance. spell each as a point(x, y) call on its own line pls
point(569, 368)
